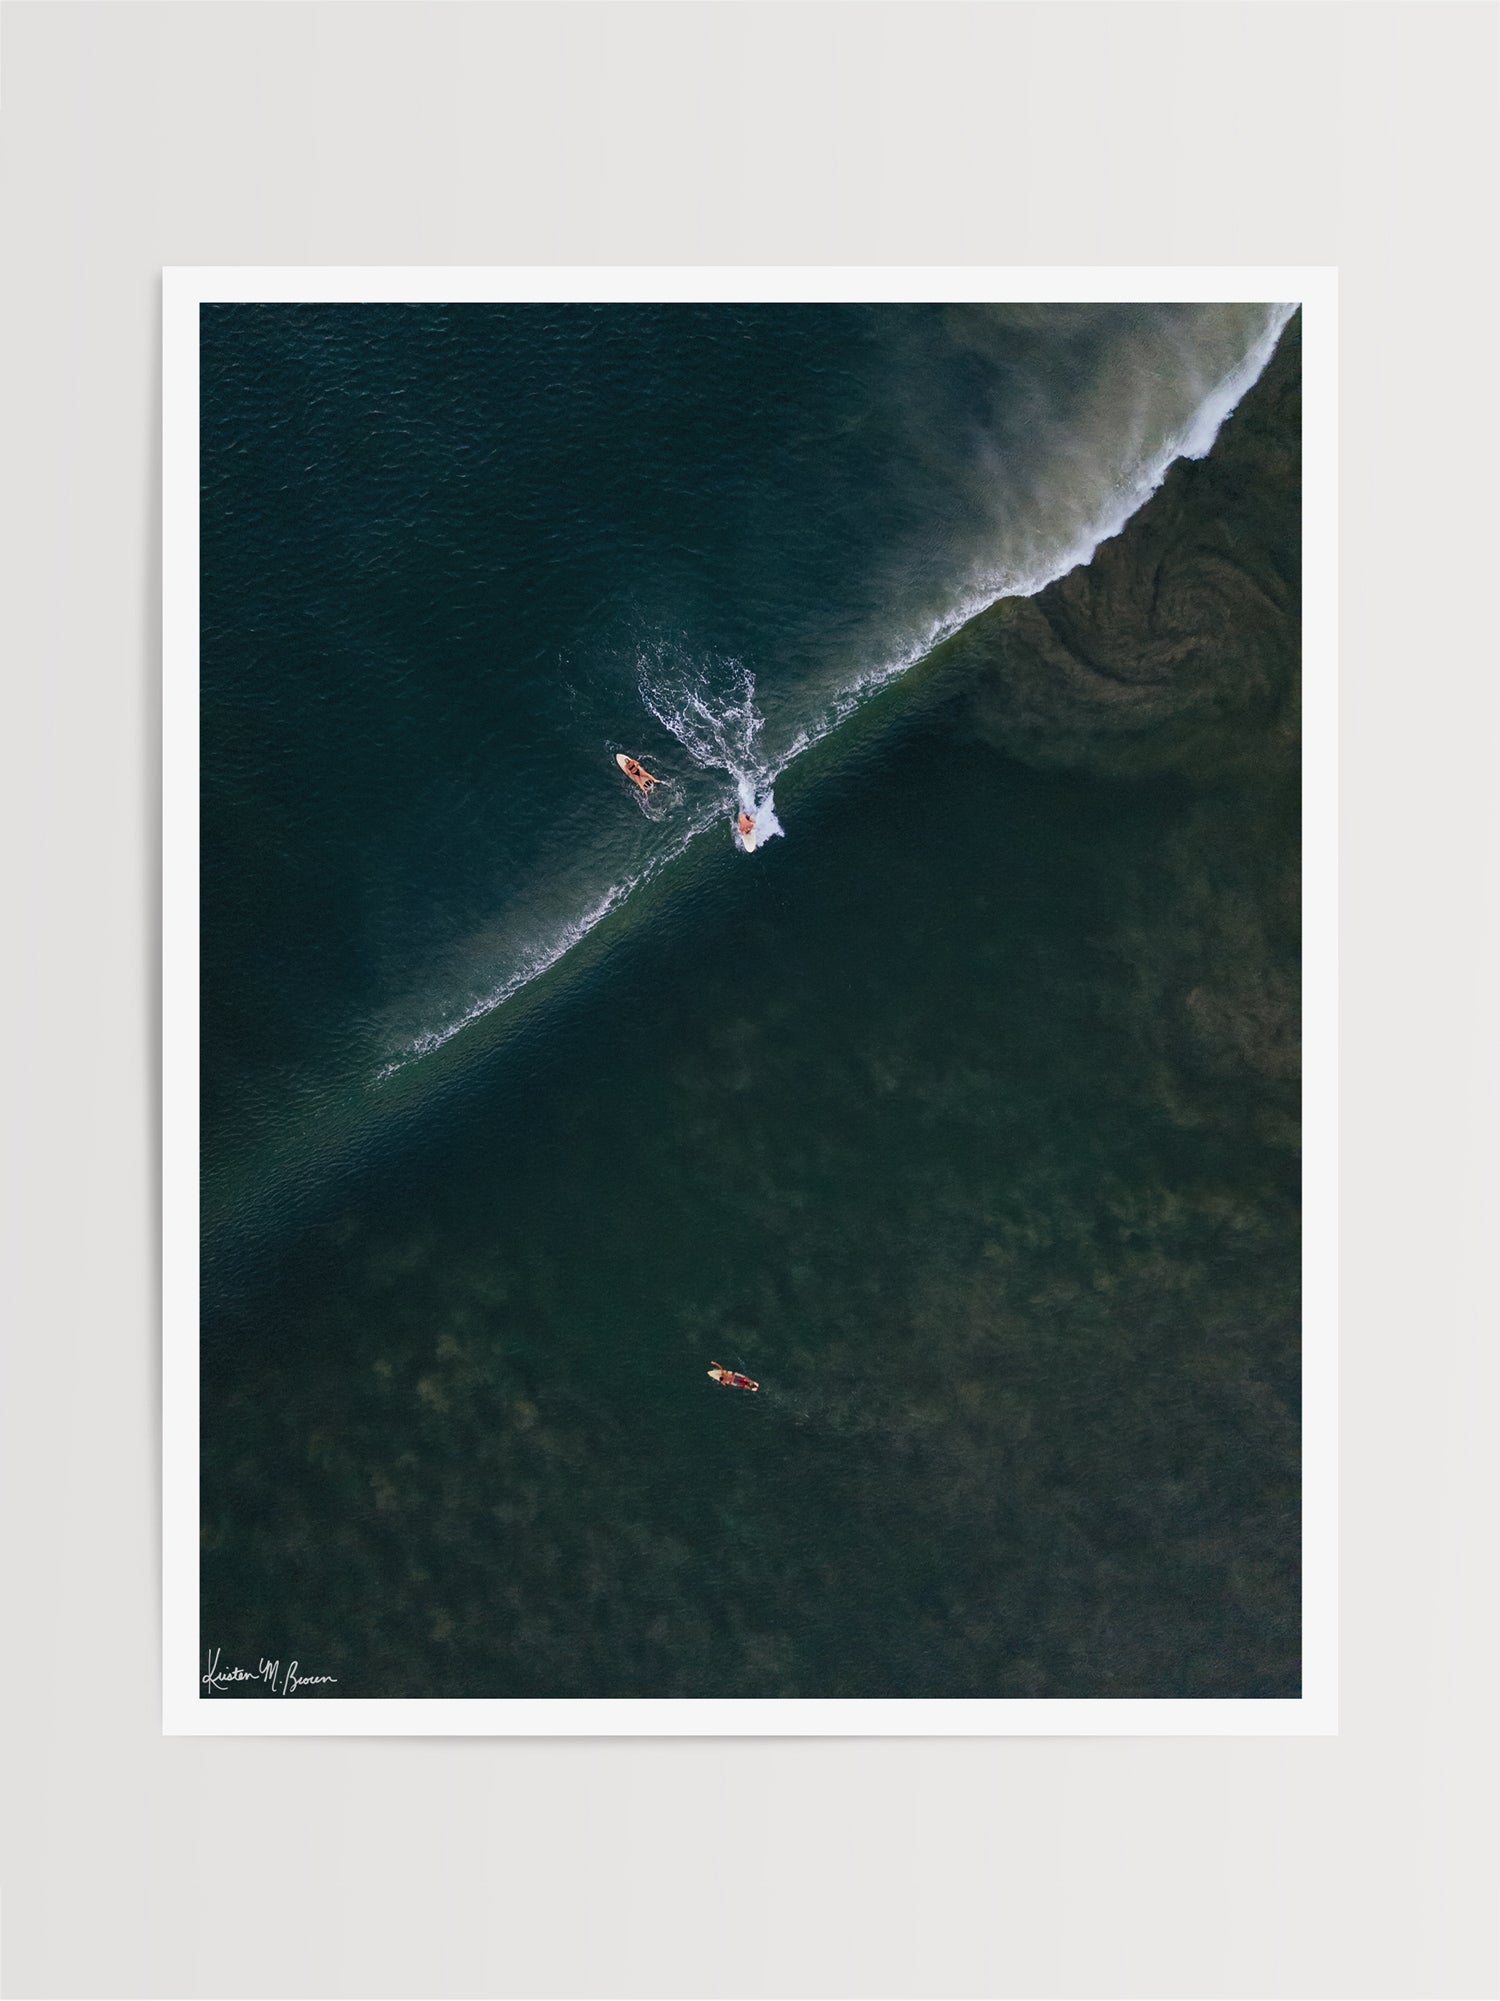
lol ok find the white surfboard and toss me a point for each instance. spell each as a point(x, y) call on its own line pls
point(638, 775)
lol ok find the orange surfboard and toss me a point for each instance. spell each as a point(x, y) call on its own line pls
point(732, 1379)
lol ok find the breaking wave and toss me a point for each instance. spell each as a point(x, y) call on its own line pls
point(709, 706)
point(708, 703)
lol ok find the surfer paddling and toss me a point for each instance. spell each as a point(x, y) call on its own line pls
point(637, 773)
point(746, 826)
point(732, 1379)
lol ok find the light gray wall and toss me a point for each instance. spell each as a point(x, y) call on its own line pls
point(141, 135)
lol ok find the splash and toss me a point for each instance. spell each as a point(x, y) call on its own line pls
point(708, 703)
point(759, 807)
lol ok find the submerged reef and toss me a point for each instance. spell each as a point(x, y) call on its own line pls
point(1176, 648)
point(1175, 653)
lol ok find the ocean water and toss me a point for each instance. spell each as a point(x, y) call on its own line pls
point(525, 1098)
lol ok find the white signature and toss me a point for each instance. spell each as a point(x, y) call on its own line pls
point(268, 1674)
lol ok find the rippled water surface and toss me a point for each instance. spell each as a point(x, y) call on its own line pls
point(526, 1096)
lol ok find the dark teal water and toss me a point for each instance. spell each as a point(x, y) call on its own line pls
point(522, 1102)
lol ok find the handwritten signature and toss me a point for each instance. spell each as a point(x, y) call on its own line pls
point(268, 1674)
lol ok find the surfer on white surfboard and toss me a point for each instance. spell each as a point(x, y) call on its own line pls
point(637, 773)
point(746, 828)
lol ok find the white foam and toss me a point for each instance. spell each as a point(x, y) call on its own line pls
point(543, 957)
point(761, 806)
point(708, 704)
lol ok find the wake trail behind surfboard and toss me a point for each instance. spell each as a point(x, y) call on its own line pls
point(708, 704)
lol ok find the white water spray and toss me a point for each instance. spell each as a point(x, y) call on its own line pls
point(708, 704)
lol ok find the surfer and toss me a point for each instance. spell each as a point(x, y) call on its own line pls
point(746, 826)
point(732, 1379)
point(636, 773)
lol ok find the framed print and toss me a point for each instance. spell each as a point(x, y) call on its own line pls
point(749, 996)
